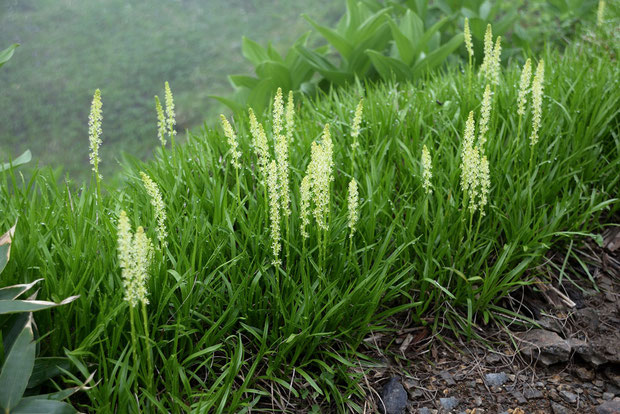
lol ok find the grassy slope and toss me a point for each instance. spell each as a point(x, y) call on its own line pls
point(70, 48)
point(227, 326)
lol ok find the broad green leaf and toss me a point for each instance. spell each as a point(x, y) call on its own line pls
point(273, 54)
point(389, 67)
point(422, 43)
point(232, 104)
point(243, 81)
point(253, 52)
point(17, 306)
point(300, 70)
point(438, 56)
point(14, 326)
point(316, 60)
point(261, 95)
point(13, 292)
point(7, 53)
point(22, 159)
point(360, 63)
point(403, 43)
point(292, 55)
point(342, 45)
point(352, 16)
point(371, 26)
point(5, 247)
point(17, 368)
point(276, 71)
point(35, 406)
point(412, 26)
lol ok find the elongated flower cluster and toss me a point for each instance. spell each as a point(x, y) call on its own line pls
point(281, 149)
point(235, 155)
point(357, 121)
point(165, 123)
point(278, 112)
point(160, 208)
point(495, 67)
point(94, 131)
point(260, 144)
point(305, 190)
point(467, 36)
point(353, 205)
point(290, 117)
point(161, 122)
point(488, 50)
point(475, 179)
point(170, 116)
point(524, 87)
point(600, 13)
point(537, 97)
point(485, 117)
point(134, 255)
point(427, 170)
point(320, 176)
point(274, 211)
point(490, 67)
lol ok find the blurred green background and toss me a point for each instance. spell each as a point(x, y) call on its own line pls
point(127, 49)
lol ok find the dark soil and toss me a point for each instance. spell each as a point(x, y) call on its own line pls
point(498, 375)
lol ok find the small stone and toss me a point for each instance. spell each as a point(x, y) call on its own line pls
point(415, 393)
point(568, 396)
point(599, 383)
point(496, 380)
point(609, 407)
point(608, 396)
point(478, 401)
point(393, 397)
point(424, 410)
point(449, 404)
point(559, 409)
point(445, 375)
point(493, 358)
point(583, 373)
point(612, 388)
point(519, 397)
point(532, 394)
point(544, 346)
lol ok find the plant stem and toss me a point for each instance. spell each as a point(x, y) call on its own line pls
point(134, 347)
point(148, 348)
point(238, 191)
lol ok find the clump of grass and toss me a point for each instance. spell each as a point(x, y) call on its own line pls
point(224, 326)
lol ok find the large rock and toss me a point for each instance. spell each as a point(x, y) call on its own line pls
point(394, 397)
point(545, 346)
point(609, 407)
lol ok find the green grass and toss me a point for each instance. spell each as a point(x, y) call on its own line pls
point(227, 329)
point(70, 48)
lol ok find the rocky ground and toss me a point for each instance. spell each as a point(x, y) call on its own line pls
point(570, 364)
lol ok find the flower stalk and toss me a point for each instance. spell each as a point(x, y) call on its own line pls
point(94, 137)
